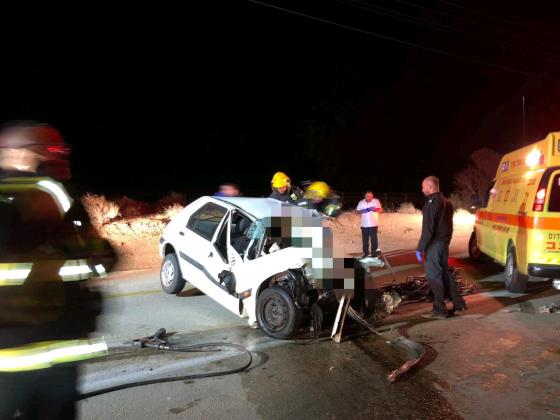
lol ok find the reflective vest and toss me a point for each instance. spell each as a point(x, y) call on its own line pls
point(15, 274)
point(49, 353)
point(55, 189)
point(43, 354)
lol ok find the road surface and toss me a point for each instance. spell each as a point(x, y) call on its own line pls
point(499, 359)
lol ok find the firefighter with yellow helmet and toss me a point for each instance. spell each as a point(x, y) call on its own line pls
point(319, 196)
point(46, 255)
point(283, 190)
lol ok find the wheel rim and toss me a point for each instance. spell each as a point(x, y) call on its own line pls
point(275, 313)
point(167, 273)
point(509, 269)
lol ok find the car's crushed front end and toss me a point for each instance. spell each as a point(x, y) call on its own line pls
point(300, 247)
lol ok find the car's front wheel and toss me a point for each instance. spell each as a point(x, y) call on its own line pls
point(277, 314)
point(170, 275)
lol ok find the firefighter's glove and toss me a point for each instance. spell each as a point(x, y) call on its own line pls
point(419, 257)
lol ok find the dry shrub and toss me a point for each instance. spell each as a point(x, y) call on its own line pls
point(408, 208)
point(458, 201)
point(170, 200)
point(99, 209)
point(130, 208)
point(169, 212)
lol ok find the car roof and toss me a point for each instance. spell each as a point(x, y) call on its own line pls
point(264, 207)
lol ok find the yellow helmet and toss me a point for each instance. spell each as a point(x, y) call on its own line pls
point(317, 190)
point(279, 180)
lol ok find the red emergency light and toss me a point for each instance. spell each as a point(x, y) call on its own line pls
point(538, 205)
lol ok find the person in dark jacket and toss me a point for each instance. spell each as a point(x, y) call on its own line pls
point(437, 230)
point(283, 190)
point(48, 251)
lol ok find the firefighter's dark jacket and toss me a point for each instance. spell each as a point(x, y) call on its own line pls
point(292, 195)
point(44, 306)
point(437, 221)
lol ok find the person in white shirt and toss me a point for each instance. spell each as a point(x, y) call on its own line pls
point(369, 209)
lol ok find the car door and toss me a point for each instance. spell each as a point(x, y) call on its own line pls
point(218, 265)
point(226, 264)
point(545, 243)
point(197, 253)
point(238, 244)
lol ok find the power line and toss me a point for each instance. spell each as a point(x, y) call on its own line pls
point(501, 19)
point(470, 22)
point(445, 28)
point(459, 18)
point(396, 40)
point(480, 13)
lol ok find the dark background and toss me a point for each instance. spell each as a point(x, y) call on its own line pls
point(154, 98)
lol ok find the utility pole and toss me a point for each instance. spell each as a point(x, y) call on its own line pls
point(523, 112)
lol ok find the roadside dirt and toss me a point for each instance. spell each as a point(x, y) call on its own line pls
point(136, 239)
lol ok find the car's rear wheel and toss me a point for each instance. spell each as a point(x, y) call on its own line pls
point(277, 314)
point(170, 275)
point(515, 281)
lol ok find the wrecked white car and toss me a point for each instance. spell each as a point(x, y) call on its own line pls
point(264, 260)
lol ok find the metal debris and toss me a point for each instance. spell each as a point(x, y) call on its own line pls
point(418, 288)
point(550, 308)
point(417, 350)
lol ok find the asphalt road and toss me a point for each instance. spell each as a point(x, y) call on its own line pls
point(499, 359)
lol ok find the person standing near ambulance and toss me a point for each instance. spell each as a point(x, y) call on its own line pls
point(433, 248)
point(369, 209)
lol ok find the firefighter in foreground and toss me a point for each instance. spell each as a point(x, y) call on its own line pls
point(47, 252)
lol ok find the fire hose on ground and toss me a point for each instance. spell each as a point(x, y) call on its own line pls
point(158, 341)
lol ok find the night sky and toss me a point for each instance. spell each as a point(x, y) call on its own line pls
point(154, 99)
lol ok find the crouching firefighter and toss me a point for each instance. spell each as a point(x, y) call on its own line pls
point(320, 197)
point(46, 257)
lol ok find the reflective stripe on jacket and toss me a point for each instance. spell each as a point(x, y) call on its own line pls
point(48, 353)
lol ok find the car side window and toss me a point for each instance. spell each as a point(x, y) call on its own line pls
point(554, 201)
point(205, 220)
point(238, 235)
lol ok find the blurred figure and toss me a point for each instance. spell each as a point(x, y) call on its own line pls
point(228, 190)
point(320, 197)
point(48, 250)
point(35, 149)
point(283, 190)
